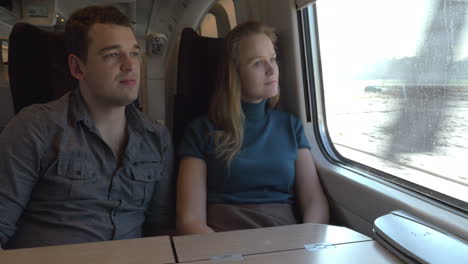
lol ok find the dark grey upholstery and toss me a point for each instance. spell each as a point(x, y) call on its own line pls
point(38, 67)
point(199, 59)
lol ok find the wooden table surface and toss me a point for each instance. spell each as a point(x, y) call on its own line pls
point(261, 240)
point(155, 250)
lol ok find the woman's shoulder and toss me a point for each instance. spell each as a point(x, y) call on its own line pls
point(201, 123)
point(283, 116)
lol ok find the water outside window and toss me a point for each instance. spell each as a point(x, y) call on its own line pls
point(395, 82)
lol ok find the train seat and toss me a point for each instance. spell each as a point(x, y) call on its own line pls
point(38, 66)
point(6, 104)
point(198, 63)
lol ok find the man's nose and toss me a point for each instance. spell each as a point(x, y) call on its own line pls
point(128, 62)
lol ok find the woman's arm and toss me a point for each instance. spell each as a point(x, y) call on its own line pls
point(312, 201)
point(191, 197)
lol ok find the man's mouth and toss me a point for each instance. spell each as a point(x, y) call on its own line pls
point(128, 81)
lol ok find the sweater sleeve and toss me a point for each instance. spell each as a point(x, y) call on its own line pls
point(196, 138)
point(301, 138)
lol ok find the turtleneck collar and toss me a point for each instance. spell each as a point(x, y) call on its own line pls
point(254, 110)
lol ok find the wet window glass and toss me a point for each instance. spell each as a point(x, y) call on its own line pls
point(395, 85)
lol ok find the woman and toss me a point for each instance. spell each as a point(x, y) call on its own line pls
point(246, 165)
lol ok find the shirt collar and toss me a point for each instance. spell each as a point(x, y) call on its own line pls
point(78, 110)
point(79, 113)
point(138, 120)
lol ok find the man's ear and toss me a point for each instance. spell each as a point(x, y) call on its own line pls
point(76, 67)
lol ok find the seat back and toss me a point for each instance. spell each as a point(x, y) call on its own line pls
point(199, 60)
point(6, 105)
point(37, 65)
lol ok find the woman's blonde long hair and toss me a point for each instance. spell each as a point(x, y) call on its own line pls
point(225, 109)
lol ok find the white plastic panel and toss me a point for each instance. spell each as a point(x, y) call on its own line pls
point(416, 241)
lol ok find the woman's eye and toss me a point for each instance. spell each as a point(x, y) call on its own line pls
point(258, 63)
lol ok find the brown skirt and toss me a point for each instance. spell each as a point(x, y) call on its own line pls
point(229, 217)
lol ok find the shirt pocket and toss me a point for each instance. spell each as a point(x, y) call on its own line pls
point(79, 176)
point(76, 169)
point(140, 186)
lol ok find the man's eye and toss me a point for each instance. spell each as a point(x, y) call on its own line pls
point(111, 55)
point(135, 53)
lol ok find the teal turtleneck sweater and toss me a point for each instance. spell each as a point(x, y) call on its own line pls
point(263, 171)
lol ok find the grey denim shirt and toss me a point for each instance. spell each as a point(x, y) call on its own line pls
point(60, 183)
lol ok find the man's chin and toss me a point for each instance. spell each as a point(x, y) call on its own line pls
point(121, 101)
point(129, 101)
point(129, 97)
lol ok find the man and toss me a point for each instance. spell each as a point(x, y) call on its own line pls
point(89, 166)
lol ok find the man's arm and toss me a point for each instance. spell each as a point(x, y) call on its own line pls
point(21, 149)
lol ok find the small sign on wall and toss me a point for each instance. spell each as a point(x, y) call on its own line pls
point(40, 12)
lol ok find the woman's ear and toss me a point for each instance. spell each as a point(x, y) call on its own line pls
point(76, 67)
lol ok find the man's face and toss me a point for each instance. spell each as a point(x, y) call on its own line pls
point(112, 72)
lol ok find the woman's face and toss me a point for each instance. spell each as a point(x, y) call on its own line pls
point(258, 70)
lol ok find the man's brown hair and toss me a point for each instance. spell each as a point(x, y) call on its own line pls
point(81, 21)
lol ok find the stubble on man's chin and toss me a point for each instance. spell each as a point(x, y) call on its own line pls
point(117, 101)
point(125, 99)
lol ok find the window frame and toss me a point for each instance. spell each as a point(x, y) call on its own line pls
point(316, 115)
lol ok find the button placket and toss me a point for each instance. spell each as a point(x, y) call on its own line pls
point(114, 189)
point(115, 220)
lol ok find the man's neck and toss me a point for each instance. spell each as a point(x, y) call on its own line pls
point(108, 118)
point(111, 122)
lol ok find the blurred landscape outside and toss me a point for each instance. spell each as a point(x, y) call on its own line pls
point(395, 80)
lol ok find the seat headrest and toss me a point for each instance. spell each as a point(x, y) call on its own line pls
point(38, 66)
point(199, 59)
point(198, 63)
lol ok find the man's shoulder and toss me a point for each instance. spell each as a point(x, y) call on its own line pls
point(158, 127)
point(154, 127)
point(150, 125)
point(55, 111)
point(35, 122)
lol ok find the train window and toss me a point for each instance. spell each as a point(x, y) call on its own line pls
point(391, 89)
point(4, 58)
point(208, 27)
point(220, 19)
